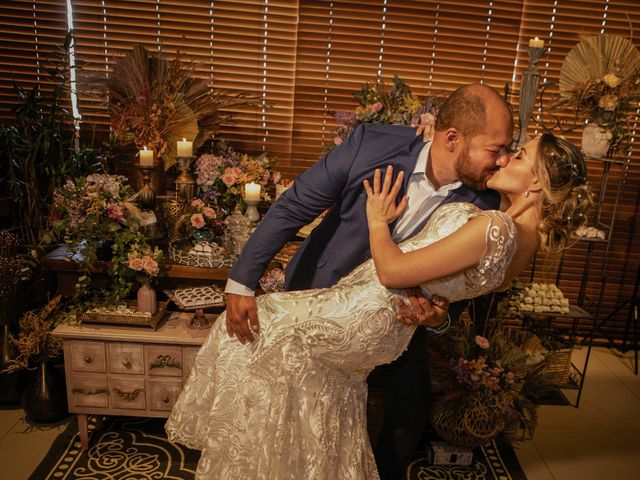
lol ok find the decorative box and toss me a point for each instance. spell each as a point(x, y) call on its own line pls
point(443, 453)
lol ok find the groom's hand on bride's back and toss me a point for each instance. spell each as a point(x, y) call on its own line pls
point(242, 317)
point(421, 310)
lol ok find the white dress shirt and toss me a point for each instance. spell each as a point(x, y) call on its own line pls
point(423, 200)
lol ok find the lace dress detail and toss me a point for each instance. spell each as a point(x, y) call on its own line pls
point(292, 404)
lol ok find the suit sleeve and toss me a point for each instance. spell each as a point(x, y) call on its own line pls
point(313, 191)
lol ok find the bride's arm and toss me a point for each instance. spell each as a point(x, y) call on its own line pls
point(461, 250)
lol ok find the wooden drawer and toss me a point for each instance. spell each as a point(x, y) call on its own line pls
point(88, 391)
point(126, 358)
point(127, 392)
point(189, 358)
point(163, 360)
point(163, 393)
point(87, 356)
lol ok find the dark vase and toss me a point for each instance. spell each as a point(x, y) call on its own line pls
point(10, 383)
point(44, 398)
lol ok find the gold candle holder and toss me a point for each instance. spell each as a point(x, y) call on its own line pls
point(146, 195)
point(185, 184)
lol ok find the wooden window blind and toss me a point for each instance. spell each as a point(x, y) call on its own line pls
point(30, 33)
point(303, 59)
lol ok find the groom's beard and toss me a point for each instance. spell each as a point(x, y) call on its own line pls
point(470, 175)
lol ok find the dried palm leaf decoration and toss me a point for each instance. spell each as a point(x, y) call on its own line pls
point(595, 57)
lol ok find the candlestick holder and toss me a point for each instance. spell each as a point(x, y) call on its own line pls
point(185, 184)
point(252, 212)
point(528, 89)
point(146, 195)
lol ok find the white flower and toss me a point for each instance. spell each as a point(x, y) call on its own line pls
point(609, 102)
point(612, 80)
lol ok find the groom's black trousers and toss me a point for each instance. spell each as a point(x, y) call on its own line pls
point(403, 390)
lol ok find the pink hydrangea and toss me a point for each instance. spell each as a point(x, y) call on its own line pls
point(197, 220)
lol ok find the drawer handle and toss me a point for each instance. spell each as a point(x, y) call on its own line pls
point(128, 396)
point(165, 361)
point(91, 391)
point(166, 400)
point(87, 359)
point(127, 364)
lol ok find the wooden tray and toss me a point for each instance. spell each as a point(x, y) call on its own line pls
point(117, 318)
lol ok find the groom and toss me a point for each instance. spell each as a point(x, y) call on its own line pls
point(473, 132)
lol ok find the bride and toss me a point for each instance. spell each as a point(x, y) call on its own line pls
point(292, 404)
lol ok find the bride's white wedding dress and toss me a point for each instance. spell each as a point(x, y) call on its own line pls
point(292, 404)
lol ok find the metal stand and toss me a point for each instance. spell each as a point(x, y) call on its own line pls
point(528, 90)
point(185, 184)
point(146, 195)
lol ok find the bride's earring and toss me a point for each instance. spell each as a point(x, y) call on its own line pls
point(526, 194)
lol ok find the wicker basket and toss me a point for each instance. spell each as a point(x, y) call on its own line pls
point(467, 422)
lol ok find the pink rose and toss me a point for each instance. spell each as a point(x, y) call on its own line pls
point(228, 179)
point(237, 171)
point(276, 177)
point(150, 265)
point(337, 140)
point(135, 264)
point(197, 203)
point(482, 342)
point(209, 212)
point(197, 220)
point(376, 107)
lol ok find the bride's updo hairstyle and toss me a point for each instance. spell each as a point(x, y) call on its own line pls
point(565, 197)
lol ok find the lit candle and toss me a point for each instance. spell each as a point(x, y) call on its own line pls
point(252, 191)
point(146, 157)
point(185, 149)
point(536, 42)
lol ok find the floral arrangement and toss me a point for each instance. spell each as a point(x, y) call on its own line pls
point(155, 102)
point(221, 176)
point(600, 80)
point(496, 376)
point(272, 281)
point(379, 103)
point(86, 211)
point(205, 222)
point(134, 262)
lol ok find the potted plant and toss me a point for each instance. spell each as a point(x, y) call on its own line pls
point(87, 214)
point(485, 386)
point(600, 80)
point(44, 398)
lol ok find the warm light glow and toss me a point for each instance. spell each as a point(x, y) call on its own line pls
point(252, 191)
point(536, 42)
point(185, 148)
point(146, 157)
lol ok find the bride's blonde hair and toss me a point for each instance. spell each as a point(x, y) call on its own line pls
point(566, 196)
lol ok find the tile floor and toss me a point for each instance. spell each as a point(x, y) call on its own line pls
point(599, 440)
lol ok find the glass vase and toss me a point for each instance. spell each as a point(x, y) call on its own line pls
point(147, 299)
point(595, 140)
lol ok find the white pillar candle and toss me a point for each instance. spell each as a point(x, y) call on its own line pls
point(536, 42)
point(185, 148)
point(252, 191)
point(146, 157)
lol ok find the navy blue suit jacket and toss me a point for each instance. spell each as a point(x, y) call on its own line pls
point(341, 241)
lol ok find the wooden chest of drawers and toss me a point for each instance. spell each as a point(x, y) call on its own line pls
point(121, 370)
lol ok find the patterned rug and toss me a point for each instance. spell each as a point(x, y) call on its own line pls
point(126, 448)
